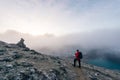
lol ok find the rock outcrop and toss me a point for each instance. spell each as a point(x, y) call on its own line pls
point(21, 43)
point(17, 62)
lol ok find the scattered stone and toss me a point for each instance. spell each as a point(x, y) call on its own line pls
point(2, 51)
point(7, 59)
point(34, 52)
point(12, 46)
point(3, 44)
point(32, 70)
point(16, 55)
point(92, 78)
point(25, 49)
point(9, 66)
point(96, 74)
point(16, 64)
point(25, 64)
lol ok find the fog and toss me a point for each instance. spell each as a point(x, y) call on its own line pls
point(95, 44)
point(67, 44)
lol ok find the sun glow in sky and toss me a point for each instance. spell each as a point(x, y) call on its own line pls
point(58, 17)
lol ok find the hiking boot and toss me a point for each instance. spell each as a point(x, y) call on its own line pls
point(80, 67)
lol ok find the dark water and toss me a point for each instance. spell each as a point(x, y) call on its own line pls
point(105, 63)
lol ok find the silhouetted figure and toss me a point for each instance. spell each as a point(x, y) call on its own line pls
point(21, 43)
point(78, 56)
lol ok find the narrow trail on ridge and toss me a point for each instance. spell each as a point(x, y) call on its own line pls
point(80, 74)
point(78, 71)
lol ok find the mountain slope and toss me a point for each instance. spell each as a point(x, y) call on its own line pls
point(21, 63)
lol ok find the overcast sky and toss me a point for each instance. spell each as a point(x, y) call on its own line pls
point(58, 17)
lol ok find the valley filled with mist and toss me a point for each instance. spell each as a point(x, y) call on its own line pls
point(100, 47)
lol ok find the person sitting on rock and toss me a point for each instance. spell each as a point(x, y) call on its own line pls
point(78, 56)
point(21, 43)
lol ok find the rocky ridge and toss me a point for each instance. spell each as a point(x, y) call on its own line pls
point(18, 62)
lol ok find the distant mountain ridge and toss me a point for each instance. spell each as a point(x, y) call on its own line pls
point(19, 62)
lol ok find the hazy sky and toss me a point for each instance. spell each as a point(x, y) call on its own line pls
point(59, 17)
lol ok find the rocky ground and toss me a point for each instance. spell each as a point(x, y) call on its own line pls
point(17, 62)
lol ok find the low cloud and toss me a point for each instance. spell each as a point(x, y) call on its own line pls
point(88, 40)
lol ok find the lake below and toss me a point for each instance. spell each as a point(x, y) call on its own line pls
point(105, 63)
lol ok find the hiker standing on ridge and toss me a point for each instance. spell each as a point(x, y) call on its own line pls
point(78, 56)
